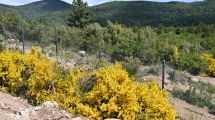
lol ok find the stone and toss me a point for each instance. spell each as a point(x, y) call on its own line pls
point(111, 119)
point(2, 105)
point(49, 104)
point(37, 108)
point(80, 118)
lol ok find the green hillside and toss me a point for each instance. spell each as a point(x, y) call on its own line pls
point(48, 11)
point(43, 7)
point(155, 13)
point(125, 12)
point(8, 8)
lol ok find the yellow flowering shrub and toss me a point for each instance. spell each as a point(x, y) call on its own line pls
point(175, 54)
point(41, 76)
point(67, 92)
point(11, 68)
point(110, 92)
point(154, 102)
point(30, 74)
point(115, 95)
point(210, 64)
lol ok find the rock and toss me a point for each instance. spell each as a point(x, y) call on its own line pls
point(66, 114)
point(24, 112)
point(12, 110)
point(2, 105)
point(49, 104)
point(194, 79)
point(37, 108)
point(49, 111)
point(111, 119)
point(80, 118)
point(82, 53)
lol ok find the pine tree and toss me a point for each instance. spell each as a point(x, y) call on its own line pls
point(80, 16)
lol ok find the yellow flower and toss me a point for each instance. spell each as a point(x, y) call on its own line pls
point(208, 58)
point(113, 95)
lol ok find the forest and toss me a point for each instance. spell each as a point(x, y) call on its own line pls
point(128, 13)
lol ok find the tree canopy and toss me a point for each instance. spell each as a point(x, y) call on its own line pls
point(80, 15)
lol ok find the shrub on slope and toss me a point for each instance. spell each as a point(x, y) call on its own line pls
point(105, 93)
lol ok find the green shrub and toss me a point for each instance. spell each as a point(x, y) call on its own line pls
point(132, 65)
point(153, 70)
point(177, 76)
point(213, 51)
point(212, 109)
point(192, 63)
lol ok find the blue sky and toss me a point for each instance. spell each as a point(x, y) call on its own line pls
point(90, 2)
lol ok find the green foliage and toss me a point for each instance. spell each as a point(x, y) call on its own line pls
point(10, 24)
point(119, 41)
point(178, 77)
point(155, 13)
point(93, 38)
point(132, 65)
point(47, 12)
point(80, 15)
point(191, 62)
point(180, 47)
point(153, 70)
point(213, 51)
point(124, 12)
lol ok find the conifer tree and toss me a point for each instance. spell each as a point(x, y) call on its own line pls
point(80, 15)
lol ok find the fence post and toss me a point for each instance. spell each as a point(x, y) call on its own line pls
point(173, 78)
point(23, 41)
point(56, 44)
point(100, 49)
point(38, 37)
point(163, 74)
point(53, 87)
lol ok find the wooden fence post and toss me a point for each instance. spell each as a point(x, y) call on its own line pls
point(163, 74)
point(23, 41)
point(100, 50)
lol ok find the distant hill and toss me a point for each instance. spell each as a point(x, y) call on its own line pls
point(155, 13)
point(8, 8)
point(47, 11)
point(43, 7)
point(125, 12)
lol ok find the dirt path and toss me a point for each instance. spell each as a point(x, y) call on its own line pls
point(190, 112)
point(210, 80)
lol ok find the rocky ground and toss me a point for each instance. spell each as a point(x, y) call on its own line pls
point(15, 108)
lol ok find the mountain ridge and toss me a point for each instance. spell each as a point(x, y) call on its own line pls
point(126, 12)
